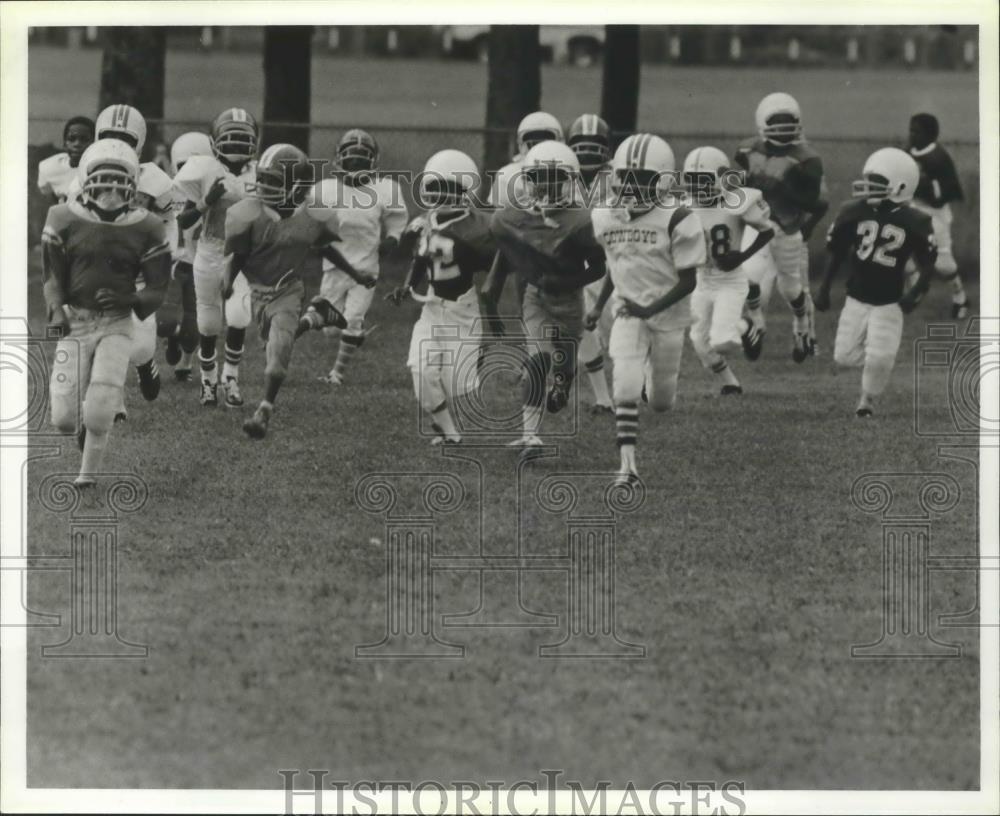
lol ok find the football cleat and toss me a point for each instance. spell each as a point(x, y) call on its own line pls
point(121, 416)
point(728, 390)
point(173, 352)
point(333, 378)
point(800, 347)
point(526, 441)
point(627, 477)
point(183, 375)
point(234, 399)
point(149, 381)
point(753, 340)
point(598, 408)
point(329, 314)
point(865, 407)
point(557, 398)
point(256, 426)
point(960, 311)
point(209, 398)
point(438, 441)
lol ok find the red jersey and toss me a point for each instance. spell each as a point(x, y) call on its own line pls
point(82, 254)
point(453, 245)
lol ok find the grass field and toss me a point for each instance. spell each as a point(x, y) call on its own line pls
point(252, 573)
point(748, 574)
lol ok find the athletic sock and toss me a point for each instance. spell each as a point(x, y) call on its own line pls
point(93, 454)
point(441, 417)
point(349, 344)
point(206, 358)
point(532, 416)
point(598, 382)
point(722, 369)
point(627, 419)
point(234, 353)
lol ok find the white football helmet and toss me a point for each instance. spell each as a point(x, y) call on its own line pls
point(535, 128)
point(890, 174)
point(642, 169)
point(122, 122)
point(109, 174)
point(779, 119)
point(704, 170)
point(449, 177)
point(551, 172)
point(187, 145)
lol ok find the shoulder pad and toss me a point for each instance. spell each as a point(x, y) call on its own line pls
point(198, 166)
point(242, 214)
point(153, 181)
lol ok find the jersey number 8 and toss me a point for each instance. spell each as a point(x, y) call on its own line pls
point(891, 239)
point(720, 240)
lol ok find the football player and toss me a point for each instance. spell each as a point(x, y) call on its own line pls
point(181, 330)
point(789, 173)
point(551, 247)
point(939, 186)
point(372, 215)
point(453, 244)
point(508, 185)
point(56, 172)
point(210, 186)
point(153, 193)
point(269, 237)
point(724, 211)
point(654, 248)
point(590, 138)
point(881, 231)
point(90, 301)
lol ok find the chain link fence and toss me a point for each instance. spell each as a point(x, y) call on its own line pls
point(405, 149)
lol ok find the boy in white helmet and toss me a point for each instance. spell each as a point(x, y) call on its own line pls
point(452, 244)
point(372, 216)
point(654, 247)
point(878, 233)
point(508, 184)
point(725, 211)
point(90, 302)
point(590, 138)
point(551, 248)
point(789, 174)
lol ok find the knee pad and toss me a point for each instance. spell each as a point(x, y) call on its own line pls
point(100, 405)
point(143, 340)
point(209, 319)
point(590, 347)
point(536, 370)
point(65, 410)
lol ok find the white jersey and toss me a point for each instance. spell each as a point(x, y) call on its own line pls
point(646, 250)
point(194, 180)
point(367, 213)
point(725, 223)
point(55, 176)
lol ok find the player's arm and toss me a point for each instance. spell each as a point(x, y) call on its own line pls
point(55, 277)
point(688, 252)
point(925, 258)
point(394, 218)
point(592, 317)
point(197, 204)
point(686, 281)
point(336, 257)
point(155, 266)
point(838, 244)
point(804, 186)
point(758, 216)
point(945, 184)
point(238, 246)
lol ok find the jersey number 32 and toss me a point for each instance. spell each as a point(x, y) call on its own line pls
point(889, 239)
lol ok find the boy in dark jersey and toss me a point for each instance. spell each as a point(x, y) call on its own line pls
point(881, 232)
point(551, 247)
point(451, 244)
point(93, 250)
point(938, 188)
point(268, 238)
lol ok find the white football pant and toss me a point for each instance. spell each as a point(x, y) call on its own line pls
point(869, 336)
point(716, 309)
point(351, 298)
point(785, 261)
point(238, 310)
point(647, 356)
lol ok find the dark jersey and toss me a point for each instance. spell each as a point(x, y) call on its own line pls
point(276, 248)
point(939, 182)
point(881, 239)
point(554, 249)
point(790, 177)
point(451, 246)
point(82, 254)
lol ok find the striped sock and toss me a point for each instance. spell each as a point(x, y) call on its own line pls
point(209, 371)
point(753, 297)
point(234, 353)
point(627, 417)
point(349, 344)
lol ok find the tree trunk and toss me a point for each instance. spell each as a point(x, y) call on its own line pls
point(514, 87)
point(620, 86)
point(287, 85)
point(133, 73)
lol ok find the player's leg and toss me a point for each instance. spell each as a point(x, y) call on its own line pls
point(70, 374)
point(208, 294)
point(665, 351)
point(238, 310)
point(426, 360)
point(629, 350)
point(279, 317)
point(761, 272)
point(566, 328)
point(728, 331)
point(143, 356)
point(591, 355)
point(107, 378)
point(188, 330)
point(787, 252)
point(881, 344)
point(538, 358)
point(947, 267)
point(357, 301)
point(852, 326)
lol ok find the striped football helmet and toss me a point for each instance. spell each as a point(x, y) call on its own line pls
point(590, 138)
point(642, 169)
point(122, 122)
point(234, 136)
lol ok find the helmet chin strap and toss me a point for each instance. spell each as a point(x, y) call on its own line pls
point(103, 214)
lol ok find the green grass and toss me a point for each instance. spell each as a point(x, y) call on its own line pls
point(747, 574)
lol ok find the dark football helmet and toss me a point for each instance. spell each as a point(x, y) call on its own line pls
point(590, 138)
point(283, 173)
point(234, 136)
point(357, 152)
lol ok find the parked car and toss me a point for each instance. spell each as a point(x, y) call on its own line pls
point(575, 45)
